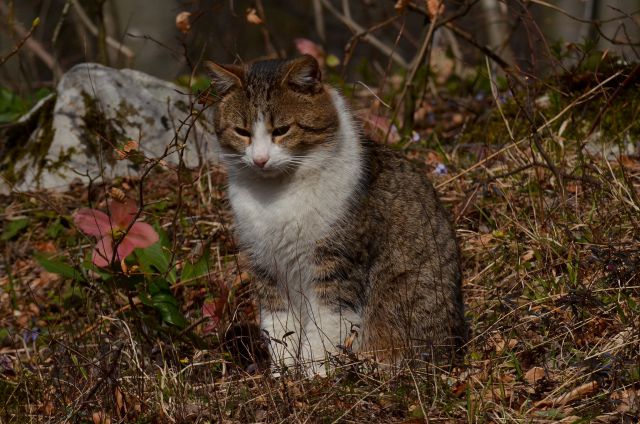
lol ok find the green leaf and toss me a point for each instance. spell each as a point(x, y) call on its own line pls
point(54, 230)
point(158, 286)
point(155, 259)
point(13, 228)
point(196, 270)
point(58, 267)
point(167, 306)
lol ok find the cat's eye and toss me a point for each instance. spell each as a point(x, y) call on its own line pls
point(277, 132)
point(242, 132)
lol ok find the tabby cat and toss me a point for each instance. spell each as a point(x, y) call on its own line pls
point(342, 234)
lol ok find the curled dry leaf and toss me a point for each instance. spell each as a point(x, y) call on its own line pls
point(117, 194)
point(435, 8)
point(252, 16)
point(534, 375)
point(101, 417)
point(500, 344)
point(130, 146)
point(182, 22)
point(575, 394)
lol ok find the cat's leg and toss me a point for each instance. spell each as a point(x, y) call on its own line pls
point(332, 308)
point(326, 330)
point(281, 323)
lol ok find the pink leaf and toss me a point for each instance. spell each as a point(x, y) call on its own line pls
point(123, 213)
point(306, 46)
point(142, 235)
point(103, 252)
point(92, 222)
point(125, 248)
point(212, 310)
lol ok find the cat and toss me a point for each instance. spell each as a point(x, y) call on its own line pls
point(344, 236)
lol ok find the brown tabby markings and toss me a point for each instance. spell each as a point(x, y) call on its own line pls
point(391, 257)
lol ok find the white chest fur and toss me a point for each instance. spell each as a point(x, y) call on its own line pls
point(279, 220)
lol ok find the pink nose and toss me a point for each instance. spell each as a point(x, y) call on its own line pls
point(260, 161)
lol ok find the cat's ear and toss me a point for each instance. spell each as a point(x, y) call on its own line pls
point(303, 74)
point(223, 77)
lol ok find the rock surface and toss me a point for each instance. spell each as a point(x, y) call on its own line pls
point(81, 131)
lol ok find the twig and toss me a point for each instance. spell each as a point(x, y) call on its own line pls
point(631, 78)
point(484, 49)
point(540, 128)
point(417, 61)
point(448, 23)
point(84, 18)
point(33, 45)
point(319, 20)
point(18, 46)
point(351, 44)
point(356, 28)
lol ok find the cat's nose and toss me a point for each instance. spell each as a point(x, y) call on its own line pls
point(260, 161)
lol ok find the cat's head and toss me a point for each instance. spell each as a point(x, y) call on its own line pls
point(271, 116)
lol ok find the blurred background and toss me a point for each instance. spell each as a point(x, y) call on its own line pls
point(142, 34)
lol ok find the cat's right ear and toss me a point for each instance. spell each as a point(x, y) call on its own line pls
point(223, 77)
point(303, 74)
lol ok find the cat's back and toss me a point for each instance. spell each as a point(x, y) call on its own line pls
point(402, 240)
point(399, 194)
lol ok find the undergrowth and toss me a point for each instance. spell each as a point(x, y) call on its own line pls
point(545, 204)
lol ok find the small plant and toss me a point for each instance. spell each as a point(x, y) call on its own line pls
point(130, 255)
point(119, 234)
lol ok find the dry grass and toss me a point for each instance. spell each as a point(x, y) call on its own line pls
point(548, 230)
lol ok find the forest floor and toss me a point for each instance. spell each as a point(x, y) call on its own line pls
point(548, 223)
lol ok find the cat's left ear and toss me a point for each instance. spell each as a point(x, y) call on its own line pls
point(223, 77)
point(303, 74)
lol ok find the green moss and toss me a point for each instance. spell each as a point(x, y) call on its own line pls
point(20, 143)
point(100, 134)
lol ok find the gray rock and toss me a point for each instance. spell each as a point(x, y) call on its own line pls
point(79, 131)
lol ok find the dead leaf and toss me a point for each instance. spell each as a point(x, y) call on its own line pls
point(629, 163)
point(182, 22)
point(575, 394)
point(130, 146)
point(627, 401)
point(117, 194)
point(348, 342)
point(528, 255)
point(534, 375)
point(570, 419)
point(500, 344)
point(435, 8)
point(121, 406)
point(45, 247)
point(252, 16)
point(101, 417)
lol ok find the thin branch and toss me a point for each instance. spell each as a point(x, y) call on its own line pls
point(33, 45)
point(356, 28)
point(114, 44)
point(24, 39)
point(319, 20)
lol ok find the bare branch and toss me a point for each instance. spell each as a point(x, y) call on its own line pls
point(35, 46)
point(114, 44)
point(356, 28)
